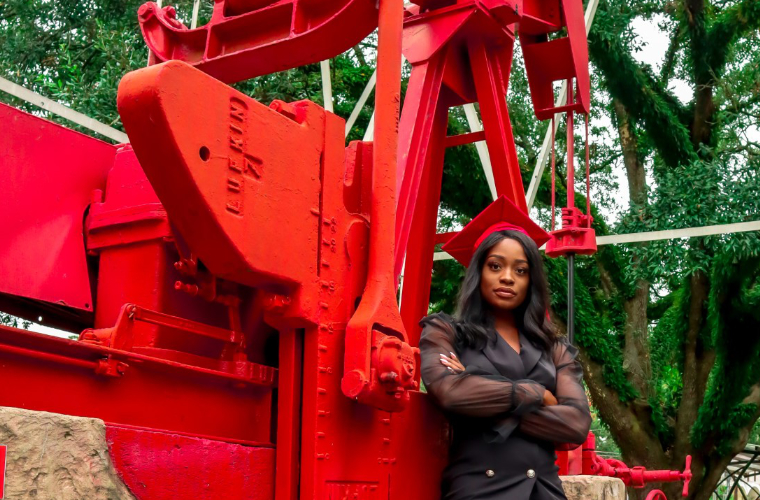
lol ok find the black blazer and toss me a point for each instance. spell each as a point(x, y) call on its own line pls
point(504, 438)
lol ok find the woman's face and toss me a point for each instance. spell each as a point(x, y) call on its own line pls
point(505, 277)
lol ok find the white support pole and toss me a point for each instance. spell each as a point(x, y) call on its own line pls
point(401, 283)
point(485, 159)
point(62, 111)
point(196, 8)
point(590, 13)
point(326, 85)
point(546, 146)
point(670, 234)
point(361, 102)
point(369, 134)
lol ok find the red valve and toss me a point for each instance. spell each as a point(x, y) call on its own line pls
point(638, 477)
point(686, 475)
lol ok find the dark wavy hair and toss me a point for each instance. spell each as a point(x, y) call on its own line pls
point(474, 320)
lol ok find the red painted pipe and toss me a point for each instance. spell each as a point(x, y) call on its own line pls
point(55, 358)
point(387, 102)
point(570, 147)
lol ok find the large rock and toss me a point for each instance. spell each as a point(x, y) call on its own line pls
point(57, 457)
point(593, 487)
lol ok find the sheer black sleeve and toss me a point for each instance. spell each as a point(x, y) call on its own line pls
point(470, 393)
point(568, 422)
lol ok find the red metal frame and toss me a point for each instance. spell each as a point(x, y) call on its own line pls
point(75, 378)
point(43, 257)
point(576, 235)
point(376, 341)
point(461, 53)
point(325, 235)
point(234, 268)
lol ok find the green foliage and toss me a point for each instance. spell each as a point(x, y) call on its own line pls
point(703, 171)
point(447, 275)
point(14, 322)
point(76, 51)
point(73, 51)
point(726, 28)
point(605, 443)
point(595, 333)
point(666, 342)
point(637, 88)
point(754, 437)
point(733, 321)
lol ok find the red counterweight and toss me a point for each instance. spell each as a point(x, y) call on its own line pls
point(224, 188)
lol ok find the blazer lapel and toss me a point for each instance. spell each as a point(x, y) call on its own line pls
point(506, 361)
point(529, 354)
point(477, 363)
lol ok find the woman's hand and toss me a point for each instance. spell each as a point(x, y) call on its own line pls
point(452, 363)
point(549, 399)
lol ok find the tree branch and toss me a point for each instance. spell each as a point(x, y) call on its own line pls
point(360, 55)
point(691, 398)
point(728, 27)
point(669, 63)
point(636, 349)
point(641, 444)
point(657, 309)
point(738, 106)
point(524, 142)
point(704, 108)
point(608, 286)
point(635, 87)
point(636, 175)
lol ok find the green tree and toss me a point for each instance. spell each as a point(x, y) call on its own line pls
point(76, 52)
point(689, 341)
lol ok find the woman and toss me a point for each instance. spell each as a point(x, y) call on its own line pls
point(511, 387)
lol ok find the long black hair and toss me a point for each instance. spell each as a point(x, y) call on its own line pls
point(474, 320)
